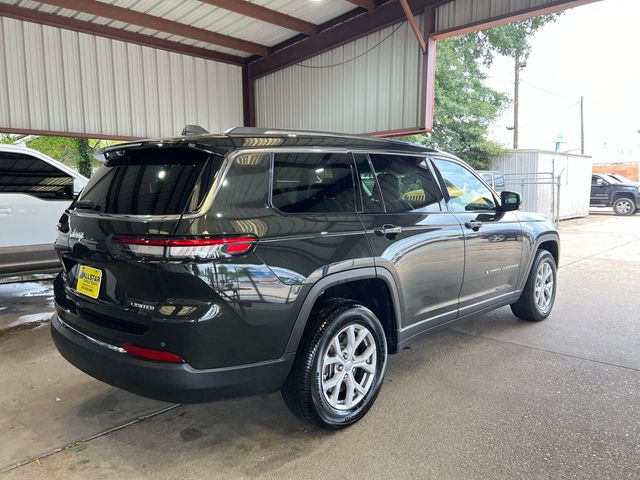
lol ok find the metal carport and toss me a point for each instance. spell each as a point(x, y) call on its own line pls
point(145, 68)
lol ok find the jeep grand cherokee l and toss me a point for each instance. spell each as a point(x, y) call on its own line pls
point(205, 266)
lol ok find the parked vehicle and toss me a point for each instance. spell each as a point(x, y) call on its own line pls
point(494, 179)
point(34, 191)
point(610, 192)
point(213, 265)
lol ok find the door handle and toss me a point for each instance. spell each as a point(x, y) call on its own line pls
point(5, 210)
point(473, 225)
point(389, 231)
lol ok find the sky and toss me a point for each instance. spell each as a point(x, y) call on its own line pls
point(593, 51)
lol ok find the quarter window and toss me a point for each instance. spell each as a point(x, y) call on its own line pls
point(405, 185)
point(466, 192)
point(313, 183)
point(20, 173)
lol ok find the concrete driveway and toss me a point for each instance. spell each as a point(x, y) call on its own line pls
point(490, 398)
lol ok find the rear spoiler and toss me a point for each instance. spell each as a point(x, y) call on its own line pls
point(115, 151)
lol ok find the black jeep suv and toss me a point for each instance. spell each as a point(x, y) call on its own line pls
point(609, 191)
point(205, 266)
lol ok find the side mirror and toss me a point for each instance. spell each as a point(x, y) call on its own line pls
point(510, 201)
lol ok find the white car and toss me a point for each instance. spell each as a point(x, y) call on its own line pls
point(34, 192)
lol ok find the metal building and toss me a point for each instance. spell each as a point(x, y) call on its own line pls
point(555, 183)
point(144, 68)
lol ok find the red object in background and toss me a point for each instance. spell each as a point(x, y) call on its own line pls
point(629, 170)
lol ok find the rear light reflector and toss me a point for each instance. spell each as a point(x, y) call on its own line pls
point(187, 248)
point(151, 354)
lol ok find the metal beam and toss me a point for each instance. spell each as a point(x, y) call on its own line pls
point(325, 40)
point(145, 20)
point(258, 12)
point(248, 98)
point(368, 4)
point(414, 25)
point(517, 16)
point(68, 23)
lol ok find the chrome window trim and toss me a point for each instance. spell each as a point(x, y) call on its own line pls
point(224, 170)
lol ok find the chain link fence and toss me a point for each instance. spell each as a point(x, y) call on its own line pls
point(539, 192)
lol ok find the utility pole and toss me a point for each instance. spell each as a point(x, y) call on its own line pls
point(581, 125)
point(516, 93)
point(516, 98)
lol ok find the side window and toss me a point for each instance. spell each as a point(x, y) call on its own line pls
point(371, 198)
point(405, 185)
point(313, 183)
point(596, 180)
point(499, 185)
point(466, 191)
point(22, 173)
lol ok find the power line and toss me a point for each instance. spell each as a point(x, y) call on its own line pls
point(546, 91)
point(357, 56)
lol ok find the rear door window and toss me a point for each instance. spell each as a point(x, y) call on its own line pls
point(309, 182)
point(406, 183)
point(152, 181)
point(22, 173)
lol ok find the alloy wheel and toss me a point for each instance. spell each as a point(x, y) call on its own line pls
point(624, 207)
point(543, 292)
point(348, 367)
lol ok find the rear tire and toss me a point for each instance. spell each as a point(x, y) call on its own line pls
point(624, 206)
point(339, 367)
point(539, 294)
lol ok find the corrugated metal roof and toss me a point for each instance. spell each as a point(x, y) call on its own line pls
point(202, 15)
point(457, 13)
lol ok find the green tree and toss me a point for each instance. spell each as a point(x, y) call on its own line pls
point(73, 151)
point(63, 149)
point(7, 139)
point(464, 106)
point(85, 154)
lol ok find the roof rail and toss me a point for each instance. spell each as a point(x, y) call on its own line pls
point(247, 131)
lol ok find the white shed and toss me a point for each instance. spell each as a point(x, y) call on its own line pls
point(555, 183)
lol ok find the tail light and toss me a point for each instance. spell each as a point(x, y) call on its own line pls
point(187, 248)
point(151, 354)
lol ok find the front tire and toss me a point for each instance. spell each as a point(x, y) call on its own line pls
point(624, 206)
point(539, 294)
point(339, 367)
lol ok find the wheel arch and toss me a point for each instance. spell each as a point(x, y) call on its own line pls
point(355, 278)
point(618, 195)
point(550, 241)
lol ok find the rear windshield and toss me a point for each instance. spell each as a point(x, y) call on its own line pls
point(152, 181)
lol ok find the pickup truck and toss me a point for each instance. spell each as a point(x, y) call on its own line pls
point(607, 191)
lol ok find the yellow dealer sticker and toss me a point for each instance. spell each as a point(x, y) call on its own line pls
point(89, 281)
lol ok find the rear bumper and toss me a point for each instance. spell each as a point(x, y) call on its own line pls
point(179, 383)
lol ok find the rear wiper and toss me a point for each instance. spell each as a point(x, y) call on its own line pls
point(87, 205)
